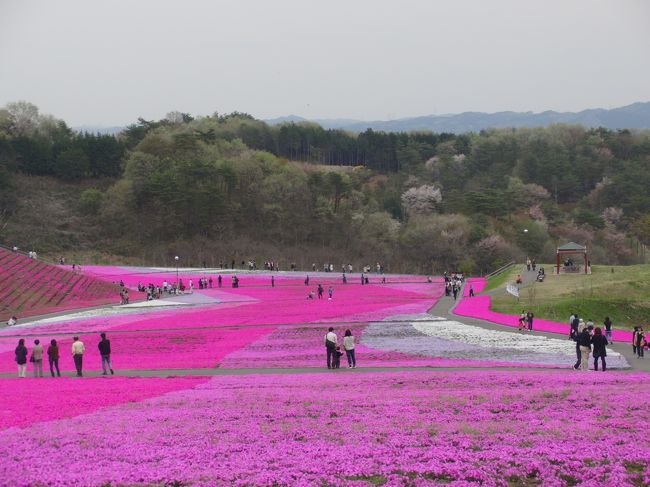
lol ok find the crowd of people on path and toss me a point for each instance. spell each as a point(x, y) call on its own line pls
point(334, 352)
point(454, 283)
point(78, 349)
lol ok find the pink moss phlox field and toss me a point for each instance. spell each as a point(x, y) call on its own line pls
point(477, 283)
point(27, 401)
point(479, 307)
point(263, 305)
point(303, 346)
point(200, 348)
point(400, 428)
point(131, 276)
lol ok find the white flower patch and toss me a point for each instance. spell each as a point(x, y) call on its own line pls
point(522, 342)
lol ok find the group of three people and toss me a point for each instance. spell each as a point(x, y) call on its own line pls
point(334, 349)
point(589, 339)
point(53, 354)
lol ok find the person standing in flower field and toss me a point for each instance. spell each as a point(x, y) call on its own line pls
point(331, 341)
point(337, 358)
point(640, 342)
point(348, 345)
point(600, 348)
point(104, 347)
point(37, 358)
point(21, 357)
point(529, 319)
point(53, 357)
point(330, 292)
point(585, 347)
point(78, 350)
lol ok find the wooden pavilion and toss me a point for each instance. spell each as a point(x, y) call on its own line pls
point(572, 248)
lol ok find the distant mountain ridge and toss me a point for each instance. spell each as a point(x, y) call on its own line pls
point(634, 116)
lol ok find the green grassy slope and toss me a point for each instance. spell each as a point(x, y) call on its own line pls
point(620, 292)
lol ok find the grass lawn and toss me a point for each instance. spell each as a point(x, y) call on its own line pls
point(500, 280)
point(623, 295)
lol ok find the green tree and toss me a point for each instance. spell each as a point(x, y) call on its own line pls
point(90, 201)
point(72, 164)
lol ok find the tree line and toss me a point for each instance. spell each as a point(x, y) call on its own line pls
point(416, 201)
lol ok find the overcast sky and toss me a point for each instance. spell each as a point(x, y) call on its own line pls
point(109, 62)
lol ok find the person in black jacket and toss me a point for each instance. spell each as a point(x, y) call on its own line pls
point(53, 357)
point(584, 340)
point(599, 341)
point(574, 333)
point(105, 351)
point(21, 357)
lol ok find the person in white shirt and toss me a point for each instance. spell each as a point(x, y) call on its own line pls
point(348, 345)
point(78, 350)
point(12, 321)
point(331, 340)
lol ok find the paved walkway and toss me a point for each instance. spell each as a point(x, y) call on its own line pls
point(444, 308)
point(283, 371)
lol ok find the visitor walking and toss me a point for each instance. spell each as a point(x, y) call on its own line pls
point(330, 292)
point(331, 341)
point(634, 334)
point(320, 291)
point(640, 342)
point(522, 321)
point(53, 357)
point(599, 343)
point(585, 348)
point(37, 358)
point(529, 320)
point(576, 328)
point(348, 345)
point(78, 350)
point(21, 357)
point(608, 329)
point(104, 347)
point(471, 290)
point(272, 281)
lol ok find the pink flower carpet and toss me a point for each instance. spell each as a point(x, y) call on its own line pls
point(392, 428)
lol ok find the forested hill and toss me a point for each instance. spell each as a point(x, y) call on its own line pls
point(636, 115)
point(225, 187)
